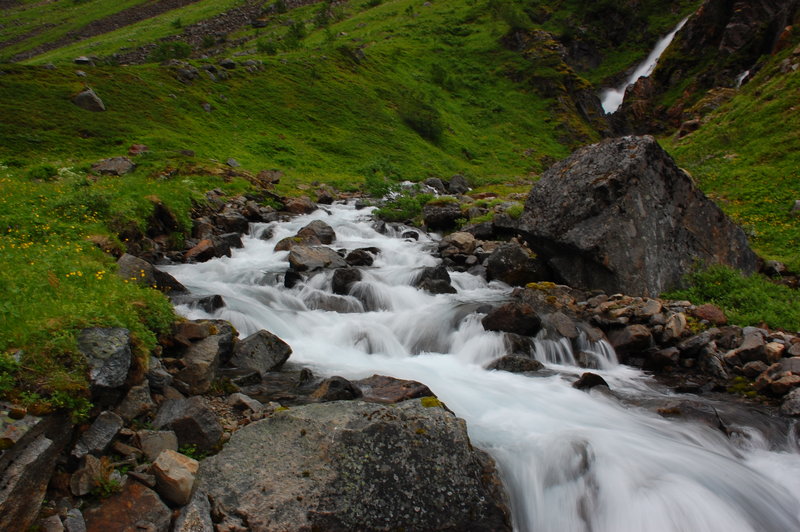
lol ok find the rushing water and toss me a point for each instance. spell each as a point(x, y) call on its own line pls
point(571, 461)
point(611, 99)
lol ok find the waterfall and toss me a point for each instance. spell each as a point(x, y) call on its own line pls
point(612, 98)
point(570, 460)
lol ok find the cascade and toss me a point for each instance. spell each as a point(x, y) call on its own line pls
point(611, 99)
point(570, 460)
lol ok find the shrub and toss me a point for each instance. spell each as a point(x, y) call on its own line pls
point(422, 117)
point(296, 33)
point(43, 172)
point(170, 50)
point(752, 300)
point(403, 207)
point(267, 46)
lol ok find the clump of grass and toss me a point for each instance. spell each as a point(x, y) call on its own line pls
point(746, 300)
point(170, 50)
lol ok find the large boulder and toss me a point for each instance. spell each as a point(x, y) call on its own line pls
point(621, 216)
point(513, 265)
point(310, 258)
point(108, 353)
point(341, 466)
point(262, 351)
point(192, 420)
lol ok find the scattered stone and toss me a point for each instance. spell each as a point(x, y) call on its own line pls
point(175, 476)
point(200, 363)
point(74, 521)
point(192, 420)
point(516, 364)
point(50, 524)
point(114, 166)
point(322, 231)
point(441, 215)
point(389, 390)
point(780, 378)
point(227, 63)
point(87, 99)
point(157, 376)
point(773, 351)
point(791, 403)
point(195, 516)
point(434, 279)
point(513, 317)
point(299, 206)
point(336, 389)
point(436, 184)
point(136, 507)
point(233, 163)
point(134, 269)
point(710, 313)
point(513, 265)
point(83, 60)
point(108, 352)
point(86, 477)
point(360, 257)
point(458, 185)
point(153, 442)
point(311, 258)
point(457, 243)
point(26, 469)
point(99, 435)
point(369, 449)
point(343, 279)
point(262, 351)
point(631, 339)
point(241, 401)
point(588, 380)
point(137, 403)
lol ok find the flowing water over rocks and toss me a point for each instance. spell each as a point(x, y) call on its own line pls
point(571, 460)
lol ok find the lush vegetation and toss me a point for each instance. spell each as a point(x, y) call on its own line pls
point(753, 300)
point(747, 158)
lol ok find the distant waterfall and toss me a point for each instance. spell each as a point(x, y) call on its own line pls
point(611, 99)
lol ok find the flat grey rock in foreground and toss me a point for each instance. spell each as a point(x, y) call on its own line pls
point(350, 465)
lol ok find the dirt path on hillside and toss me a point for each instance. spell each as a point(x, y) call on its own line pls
point(113, 22)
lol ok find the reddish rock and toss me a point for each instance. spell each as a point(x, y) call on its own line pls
point(137, 149)
point(202, 252)
point(388, 390)
point(710, 313)
point(630, 339)
point(299, 205)
point(175, 475)
point(289, 242)
point(134, 508)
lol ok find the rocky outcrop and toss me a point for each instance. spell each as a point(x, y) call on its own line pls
point(340, 466)
point(622, 217)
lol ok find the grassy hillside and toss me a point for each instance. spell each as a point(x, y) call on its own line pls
point(746, 156)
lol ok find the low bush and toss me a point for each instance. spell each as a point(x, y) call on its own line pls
point(746, 300)
point(170, 50)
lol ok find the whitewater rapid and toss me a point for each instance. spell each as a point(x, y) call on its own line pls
point(570, 460)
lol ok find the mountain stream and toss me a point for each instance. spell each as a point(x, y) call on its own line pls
point(570, 460)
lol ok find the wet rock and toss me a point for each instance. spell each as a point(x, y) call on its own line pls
point(140, 271)
point(622, 217)
point(663, 358)
point(383, 389)
point(360, 257)
point(513, 317)
point(175, 476)
point(310, 258)
point(108, 353)
point(89, 100)
point(136, 507)
point(516, 364)
point(439, 215)
point(192, 420)
point(201, 361)
point(324, 232)
point(153, 442)
point(336, 389)
point(513, 265)
point(261, 351)
point(232, 222)
point(26, 468)
point(587, 381)
point(434, 279)
point(137, 403)
point(459, 243)
point(562, 325)
point(299, 206)
point(341, 465)
point(343, 279)
point(99, 435)
point(631, 339)
point(286, 244)
point(436, 184)
point(231, 240)
point(791, 403)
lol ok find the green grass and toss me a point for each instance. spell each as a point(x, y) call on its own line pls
point(753, 300)
point(747, 158)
